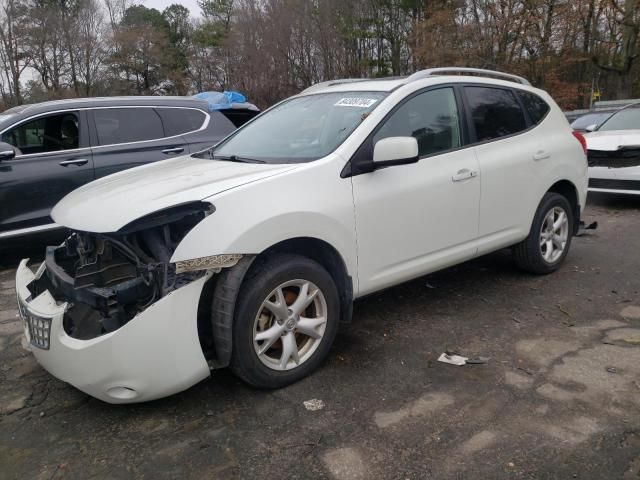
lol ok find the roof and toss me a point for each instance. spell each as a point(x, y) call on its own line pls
point(108, 102)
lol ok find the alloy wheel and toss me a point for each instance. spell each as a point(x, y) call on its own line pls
point(554, 234)
point(290, 325)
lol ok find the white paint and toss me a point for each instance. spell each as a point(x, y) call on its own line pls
point(150, 354)
point(389, 226)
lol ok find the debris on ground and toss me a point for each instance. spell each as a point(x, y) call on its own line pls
point(582, 231)
point(477, 361)
point(612, 370)
point(453, 359)
point(525, 370)
point(428, 285)
point(313, 404)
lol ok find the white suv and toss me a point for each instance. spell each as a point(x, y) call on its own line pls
point(250, 254)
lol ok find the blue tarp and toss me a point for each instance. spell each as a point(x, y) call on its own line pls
point(224, 100)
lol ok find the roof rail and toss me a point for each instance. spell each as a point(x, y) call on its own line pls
point(330, 83)
point(431, 72)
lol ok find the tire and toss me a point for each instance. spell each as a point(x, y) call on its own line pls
point(281, 280)
point(533, 254)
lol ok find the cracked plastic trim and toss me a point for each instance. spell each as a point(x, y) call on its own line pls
point(208, 263)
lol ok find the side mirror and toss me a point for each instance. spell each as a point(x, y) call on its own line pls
point(7, 152)
point(591, 128)
point(395, 151)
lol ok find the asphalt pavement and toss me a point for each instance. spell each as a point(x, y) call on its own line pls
point(558, 398)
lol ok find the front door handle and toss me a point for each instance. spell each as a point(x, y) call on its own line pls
point(77, 161)
point(173, 150)
point(541, 155)
point(464, 174)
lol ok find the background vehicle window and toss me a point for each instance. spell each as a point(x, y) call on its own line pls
point(180, 120)
point(45, 134)
point(495, 112)
point(123, 125)
point(627, 119)
point(431, 117)
point(536, 107)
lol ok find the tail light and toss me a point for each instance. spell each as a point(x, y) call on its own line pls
point(582, 140)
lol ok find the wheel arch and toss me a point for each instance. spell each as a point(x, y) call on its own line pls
point(218, 300)
point(327, 256)
point(567, 189)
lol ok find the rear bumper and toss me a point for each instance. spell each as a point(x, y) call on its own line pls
point(156, 354)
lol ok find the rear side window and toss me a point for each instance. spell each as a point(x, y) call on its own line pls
point(495, 112)
point(180, 120)
point(125, 125)
point(536, 107)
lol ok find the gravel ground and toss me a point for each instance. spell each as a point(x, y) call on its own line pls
point(559, 397)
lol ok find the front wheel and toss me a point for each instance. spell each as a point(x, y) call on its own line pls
point(547, 245)
point(285, 322)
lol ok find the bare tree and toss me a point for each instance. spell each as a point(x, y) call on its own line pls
point(91, 49)
point(12, 55)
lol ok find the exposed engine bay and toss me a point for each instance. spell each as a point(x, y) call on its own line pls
point(109, 278)
point(622, 158)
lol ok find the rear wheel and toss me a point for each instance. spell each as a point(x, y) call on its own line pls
point(547, 245)
point(285, 322)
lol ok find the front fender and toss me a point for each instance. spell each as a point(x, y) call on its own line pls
point(311, 202)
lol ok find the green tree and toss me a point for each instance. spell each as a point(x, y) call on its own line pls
point(143, 37)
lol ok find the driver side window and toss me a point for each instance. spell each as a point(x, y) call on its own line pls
point(431, 117)
point(45, 134)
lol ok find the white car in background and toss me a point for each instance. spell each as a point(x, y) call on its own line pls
point(614, 153)
point(250, 254)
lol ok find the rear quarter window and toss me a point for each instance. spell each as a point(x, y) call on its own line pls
point(181, 120)
point(220, 125)
point(495, 112)
point(536, 107)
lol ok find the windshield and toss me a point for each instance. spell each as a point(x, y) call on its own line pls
point(627, 119)
point(302, 129)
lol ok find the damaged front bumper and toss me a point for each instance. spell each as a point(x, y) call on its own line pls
point(155, 354)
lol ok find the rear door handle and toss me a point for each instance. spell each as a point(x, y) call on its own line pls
point(77, 161)
point(541, 155)
point(464, 174)
point(173, 150)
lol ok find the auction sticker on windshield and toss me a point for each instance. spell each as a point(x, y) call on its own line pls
point(356, 102)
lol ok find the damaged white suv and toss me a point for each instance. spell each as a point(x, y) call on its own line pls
point(250, 254)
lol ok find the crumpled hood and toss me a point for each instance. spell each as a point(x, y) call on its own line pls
point(613, 140)
point(110, 203)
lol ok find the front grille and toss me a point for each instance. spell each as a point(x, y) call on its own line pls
point(624, 158)
point(39, 331)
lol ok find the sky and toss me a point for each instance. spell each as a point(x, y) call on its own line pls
point(192, 5)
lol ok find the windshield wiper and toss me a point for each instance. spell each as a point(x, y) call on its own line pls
point(236, 158)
